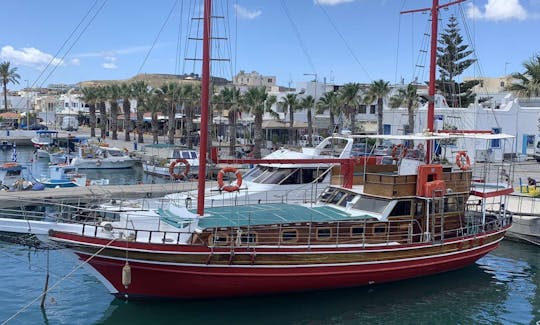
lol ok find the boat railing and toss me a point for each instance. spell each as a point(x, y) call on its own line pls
point(310, 235)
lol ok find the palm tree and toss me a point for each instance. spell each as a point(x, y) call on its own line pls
point(113, 95)
point(126, 92)
point(228, 98)
point(8, 75)
point(378, 90)
point(101, 97)
point(140, 92)
point(190, 97)
point(155, 102)
point(407, 96)
point(329, 101)
point(290, 103)
point(348, 96)
point(254, 100)
point(90, 98)
point(308, 102)
point(171, 95)
point(527, 84)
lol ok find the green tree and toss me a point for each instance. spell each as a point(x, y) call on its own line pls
point(307, 103)
point(229, 98)
point(377, 91)
point(349, 99)
point(290, 104)
point(112, 93)
point(527, 84)
point(190, 98)
point(329, 101)
point(171, 95)
point(254, 101)
point(126, 93)
point(452, 61)
point(8, 75)
point(90, 98)
point(141, 92)
point(101, 97)
point(408, 97)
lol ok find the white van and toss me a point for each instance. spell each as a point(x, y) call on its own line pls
point(70, 123)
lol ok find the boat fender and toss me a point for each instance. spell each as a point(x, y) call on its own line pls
point(188, 203)
point(179, 175)
point(126, 275)
point(463, 161)
point(229, 188)
point(98, 163)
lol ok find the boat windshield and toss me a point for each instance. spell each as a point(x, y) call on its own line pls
point(184, 154)
point(284, 176)
point(371, 204)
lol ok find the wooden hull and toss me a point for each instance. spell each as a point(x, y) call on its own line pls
point(188, 271)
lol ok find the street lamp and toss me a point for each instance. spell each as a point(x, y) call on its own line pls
point(310, 131)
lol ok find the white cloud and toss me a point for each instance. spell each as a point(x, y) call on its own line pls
point(331, 2)
point(498, 10)
point(28, 56)
point(246, 13)
point(110, 62)
point(75, 61)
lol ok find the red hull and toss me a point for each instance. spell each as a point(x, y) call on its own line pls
point(207, 281)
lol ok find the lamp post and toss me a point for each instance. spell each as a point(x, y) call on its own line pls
point(310, 124)
point(27, 107)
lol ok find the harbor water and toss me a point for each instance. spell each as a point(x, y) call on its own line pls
point(500, 288)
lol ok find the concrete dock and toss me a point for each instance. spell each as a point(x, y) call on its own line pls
point(85, 194)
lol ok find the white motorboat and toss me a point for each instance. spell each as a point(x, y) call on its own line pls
point(102, 156)
point(180, 163)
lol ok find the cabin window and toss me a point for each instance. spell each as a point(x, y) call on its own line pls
point(289, 235)
point(324, 233)
point(402, 208)
point(337, 197)
point(325, 196)
point(293, 178)
point(348, 198)
point(371, 204)
point(357, 231)
point(379, 229)
point(249, 238)
point(219, 239)
point(496, 143)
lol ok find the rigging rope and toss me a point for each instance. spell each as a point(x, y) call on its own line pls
point(343, 39)
point(157, 36)
point(298, 36)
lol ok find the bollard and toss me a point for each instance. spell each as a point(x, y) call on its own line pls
point(135, 146)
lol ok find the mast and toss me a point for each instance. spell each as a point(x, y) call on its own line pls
point(432, 65)
point(205, 98)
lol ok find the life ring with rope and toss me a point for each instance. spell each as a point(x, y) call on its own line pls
point(179, 175)
point(463, 161)
point(402, 151)
point(229, 188)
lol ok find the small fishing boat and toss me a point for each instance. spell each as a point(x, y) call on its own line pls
point(63, 175)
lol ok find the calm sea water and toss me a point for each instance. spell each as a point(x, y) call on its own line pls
point(501, 288)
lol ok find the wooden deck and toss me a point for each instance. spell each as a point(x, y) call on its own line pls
point(91, 193)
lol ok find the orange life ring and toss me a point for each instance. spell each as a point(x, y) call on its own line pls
point(10, 164)
point(229, 188)
point(463, 161)
point(403, 151)
point(179, 175)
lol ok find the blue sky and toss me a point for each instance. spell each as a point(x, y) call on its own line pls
point(339, 40)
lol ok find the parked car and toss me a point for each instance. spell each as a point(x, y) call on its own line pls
point(35, 127)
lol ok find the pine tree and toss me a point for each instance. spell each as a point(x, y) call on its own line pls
point(452, 61)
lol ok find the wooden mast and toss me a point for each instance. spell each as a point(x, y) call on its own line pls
point(432, 65)
point(205, 98)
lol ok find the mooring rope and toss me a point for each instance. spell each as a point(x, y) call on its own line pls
point(58, 283)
